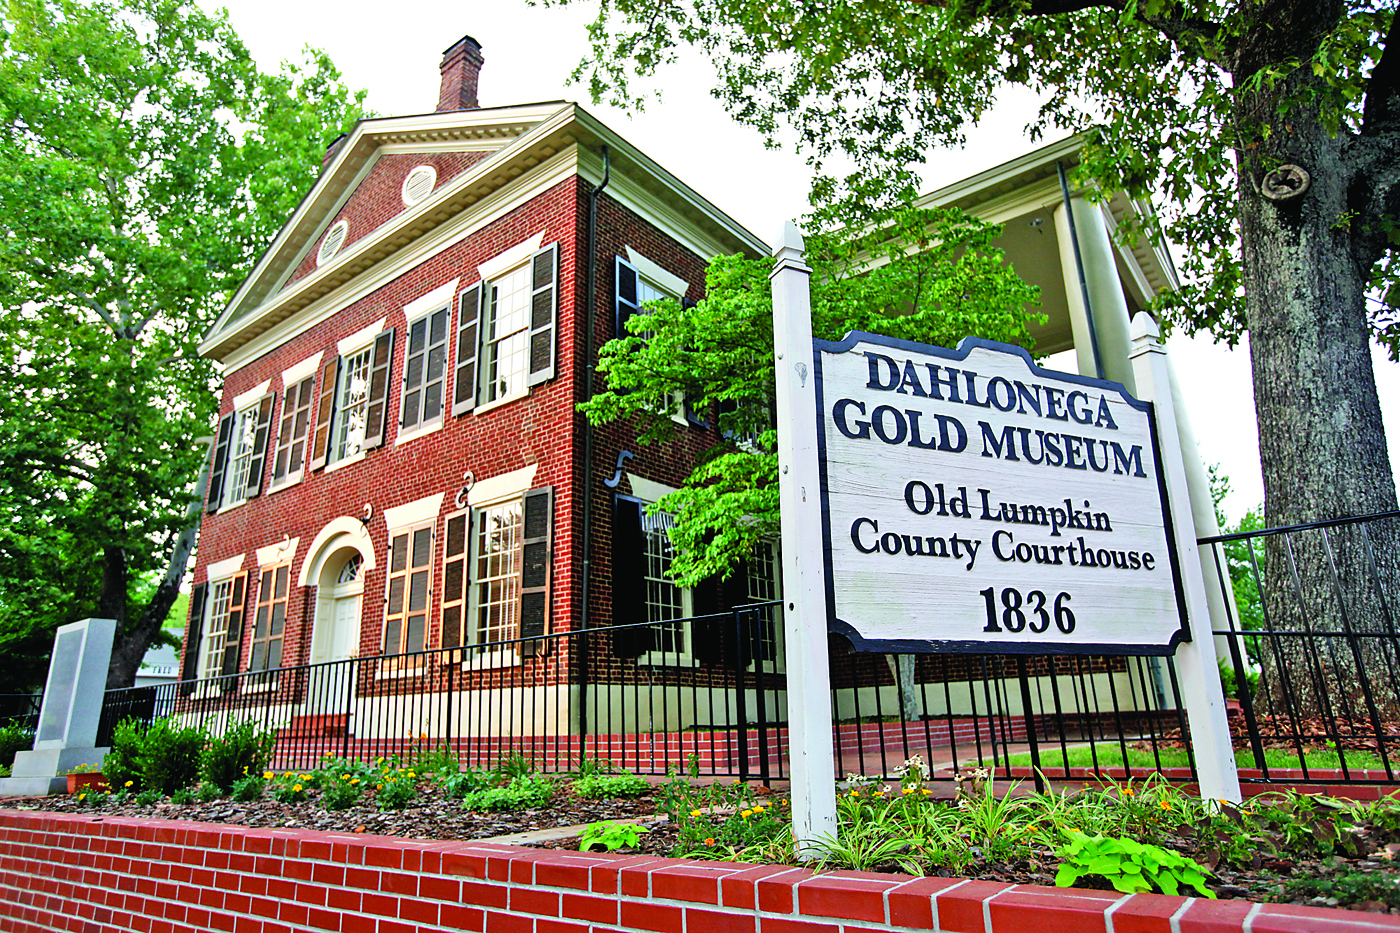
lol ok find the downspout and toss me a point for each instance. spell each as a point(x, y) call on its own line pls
point(591, 291)
point(1079, 267)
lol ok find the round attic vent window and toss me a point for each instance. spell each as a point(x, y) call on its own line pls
point(335, 239)
point(419, 184)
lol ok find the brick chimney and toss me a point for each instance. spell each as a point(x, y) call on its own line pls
point(461, 69)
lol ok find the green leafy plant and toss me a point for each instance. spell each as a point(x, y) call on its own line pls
point(1348, 888)
point(1130, 866)
point(514, 766)
point(245, 748)
point(339, 792)
point(609, 836)
point(207, 793)
point(461, 783)
point(119, 765)
point(291, 787)
point(169, 756)
point(146, 798)
point(14, 738)
point(246, 789)
point(395, 787)
point(602, 786)
point(522, 793)
point(182, 797)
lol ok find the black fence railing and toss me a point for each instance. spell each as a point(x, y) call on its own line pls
point(1310, 653)
point(20, 709)
point(705, 695)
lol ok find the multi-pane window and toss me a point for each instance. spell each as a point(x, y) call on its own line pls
point(265, 652)
point(665, 600)
point(763, 586)
point(497, 577)
point(292, 432)
point(507, 334)
point(351, 404)
point(406, 601)
point(224, 630)
point(424, 371)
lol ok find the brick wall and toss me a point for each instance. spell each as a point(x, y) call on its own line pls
point(64, 872)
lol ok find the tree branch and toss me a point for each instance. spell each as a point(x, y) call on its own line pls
point(44, 271)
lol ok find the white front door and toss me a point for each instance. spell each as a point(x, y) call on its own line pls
point(336, 642)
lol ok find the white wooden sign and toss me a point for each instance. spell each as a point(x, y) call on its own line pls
point(972, 501)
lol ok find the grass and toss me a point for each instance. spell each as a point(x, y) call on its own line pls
point(1111, 756)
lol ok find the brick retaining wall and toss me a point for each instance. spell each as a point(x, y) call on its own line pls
point(86, 874)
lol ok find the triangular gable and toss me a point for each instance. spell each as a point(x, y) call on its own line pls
point(379, 197)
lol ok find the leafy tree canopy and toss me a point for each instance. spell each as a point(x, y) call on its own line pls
point(936, 278)
point(145, 161)
point(1271, 130)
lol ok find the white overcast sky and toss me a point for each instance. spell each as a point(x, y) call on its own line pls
point(394, 53)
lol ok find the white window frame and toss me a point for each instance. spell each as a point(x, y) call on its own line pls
point(224, 573)
point(399, 663)
point(654, 530)
point(775, 664)
point(291, 379)
point(475, 658)
point(340, 436)
point(490, 342)
point(423, 309)
point(241, 443)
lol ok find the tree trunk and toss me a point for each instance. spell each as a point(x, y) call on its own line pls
point(902, 669)
point(132, 643)
point(1322, 447)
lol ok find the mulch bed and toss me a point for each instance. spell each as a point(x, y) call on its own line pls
point(436, 816)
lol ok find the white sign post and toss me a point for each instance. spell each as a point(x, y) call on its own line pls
point(804, 612)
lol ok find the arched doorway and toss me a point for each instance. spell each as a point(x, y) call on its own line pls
point(336, 564)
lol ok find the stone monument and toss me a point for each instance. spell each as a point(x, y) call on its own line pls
point(72, 707)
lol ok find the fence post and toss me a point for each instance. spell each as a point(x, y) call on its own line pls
point(1196, 661)
point(804, 621)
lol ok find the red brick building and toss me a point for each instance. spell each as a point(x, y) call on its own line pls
point(399, 465)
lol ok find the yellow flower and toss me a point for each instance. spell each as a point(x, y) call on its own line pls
point(925, 791)
point(855, 793)
point(306, 777)
point(81, 796)
point(267, 775)
point(879, 793)
point(296, 787)
point(710, 841)
point(1128, 791)
point(128, 783)
point(746, 814)
point(354, 780)
point(906, 792)
point(694, 812)
point(1165, 805)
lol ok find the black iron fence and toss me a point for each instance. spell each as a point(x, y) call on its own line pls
point(20, 709)
point(1310, 652)
point(1309, 656)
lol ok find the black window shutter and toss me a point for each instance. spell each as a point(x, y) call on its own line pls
point(629, 603)
point(378, 404)
point(259, 456)
point(216, 471)
point(468, 346)
point(455, 582)
point(624, 294)
point(233, 632)
point(535, 567)
point(707, 636)
point(544, 312)
point(325, 408)
point(194, 628)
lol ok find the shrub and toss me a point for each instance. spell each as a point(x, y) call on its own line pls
point(520, 794)
point(461, 783)
point(182, 797)
point(169, 756)
point(340, 791)
point(242, 750)
point(601, 786)
point(14, 738)
point(120, 764)
point(207, 793)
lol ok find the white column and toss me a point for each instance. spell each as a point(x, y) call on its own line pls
point(1196, 668)
point(1110, 307)
point(804, 591)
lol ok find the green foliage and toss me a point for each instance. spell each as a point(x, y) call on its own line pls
point(1347, 888)
point(208, 793)
point(169, 756)
point(147, 798)
point(14, 738)
point(146, 163)
point(603, 786)
point(609, 836)
point(244, 749)
point(292, 787)
point(718, 355)
point(522, 793)
point(461, 783)
point(726, 821)
point(514, 765)
point(395, 787)
point(183, 797)
point(340, 791)
point(120, 765)
point(245, 789)
point(1130, 866)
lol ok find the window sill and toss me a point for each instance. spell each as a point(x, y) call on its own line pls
point(666, 659)
point(417, 432)
point(492, 661)
point(489, 406)
point(230, 506)
point(285, 484)
point(390, 669)
point(339, 464)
